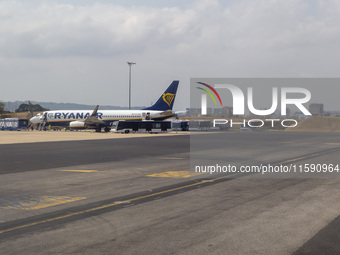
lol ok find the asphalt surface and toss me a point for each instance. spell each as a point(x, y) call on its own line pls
point(137, 196)
point(36, 156)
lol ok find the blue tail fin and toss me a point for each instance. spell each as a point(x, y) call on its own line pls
point(167, 99)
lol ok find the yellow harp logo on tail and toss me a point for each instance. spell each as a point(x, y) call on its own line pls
point(168, 98)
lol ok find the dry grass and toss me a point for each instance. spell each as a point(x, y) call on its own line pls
point(318, 124)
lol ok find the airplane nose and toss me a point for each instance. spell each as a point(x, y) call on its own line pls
point(33, 120)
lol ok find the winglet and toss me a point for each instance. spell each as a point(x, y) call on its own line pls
point(93, 116)
point(94, 113)
point(93, 122)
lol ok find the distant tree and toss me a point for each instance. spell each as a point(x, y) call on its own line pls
point(2, 107)
point(30, 108)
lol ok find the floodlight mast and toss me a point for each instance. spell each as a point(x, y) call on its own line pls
point(130, 64)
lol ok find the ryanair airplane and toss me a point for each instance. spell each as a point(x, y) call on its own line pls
point(97, 120)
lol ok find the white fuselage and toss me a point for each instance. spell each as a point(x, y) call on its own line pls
point(64, 117)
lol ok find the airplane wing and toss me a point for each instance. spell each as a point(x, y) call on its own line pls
point(165, 113)
point(93, 120)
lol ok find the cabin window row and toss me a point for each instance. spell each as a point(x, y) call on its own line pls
point(118, 116)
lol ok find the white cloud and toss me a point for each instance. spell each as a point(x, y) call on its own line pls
point(96, 30)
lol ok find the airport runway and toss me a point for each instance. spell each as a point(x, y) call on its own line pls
point(137, 196)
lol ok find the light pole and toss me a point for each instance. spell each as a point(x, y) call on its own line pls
point(130, 64)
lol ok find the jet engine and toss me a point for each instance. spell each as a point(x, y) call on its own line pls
point(77, 124)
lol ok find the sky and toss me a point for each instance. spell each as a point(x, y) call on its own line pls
point(76, 51)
